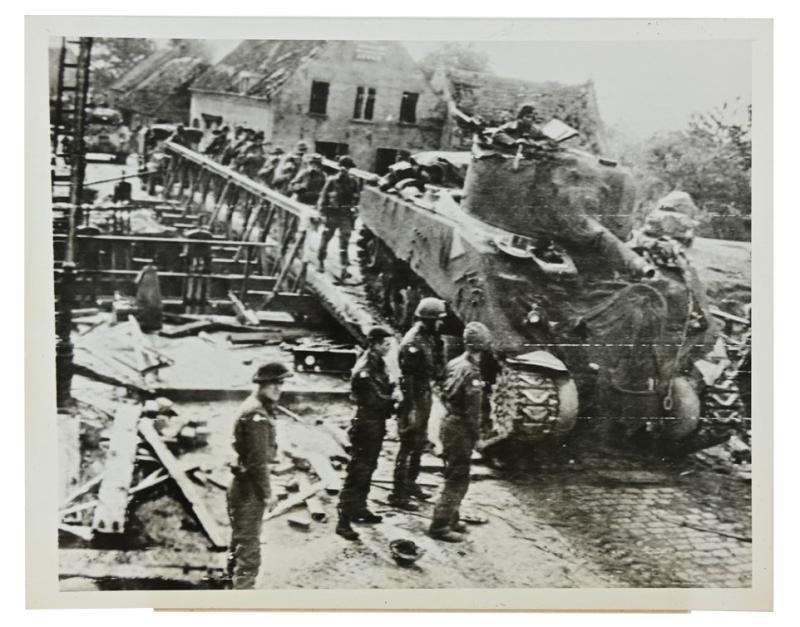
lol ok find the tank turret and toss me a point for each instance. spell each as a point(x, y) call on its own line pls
point(535, 246)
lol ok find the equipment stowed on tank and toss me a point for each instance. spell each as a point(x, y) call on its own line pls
point(586, 326)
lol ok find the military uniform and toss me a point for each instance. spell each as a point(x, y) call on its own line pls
point(421, 363)
point(467, 403)
point(337, 199)
point(372, 393)
point(255, 445)
point(308, 184)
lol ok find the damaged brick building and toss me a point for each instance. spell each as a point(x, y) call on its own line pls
point(157, 89)
point(368, 99)
point(497, 99)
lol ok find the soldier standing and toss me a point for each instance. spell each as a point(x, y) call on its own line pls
point(249, 493)
point(375, 397)
point(421, 364)
point(309, 182)
point(466, 399)
point(336, 203)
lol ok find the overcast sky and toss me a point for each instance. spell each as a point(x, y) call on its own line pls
point(643, 87)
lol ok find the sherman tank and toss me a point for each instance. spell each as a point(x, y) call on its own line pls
point(587, 326)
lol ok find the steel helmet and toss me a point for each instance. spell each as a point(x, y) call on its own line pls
point(477, 336)
point(271, 373)
point(431, 309)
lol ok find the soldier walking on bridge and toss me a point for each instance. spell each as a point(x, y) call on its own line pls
point(309, 182)
point(336, 206)
point(375, 396)
point(466, 399)
point(421, 365)
point(249, 494)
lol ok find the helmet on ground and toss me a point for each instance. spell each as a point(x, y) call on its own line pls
point(272, 372)
point(477, 336)
point(346, 162)
point(378, 334)
point(405, 552)
point(431, 309)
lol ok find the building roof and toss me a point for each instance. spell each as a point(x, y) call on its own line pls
point(258, 68)
point(495, 98)
point(164, 81)
point(139, 72)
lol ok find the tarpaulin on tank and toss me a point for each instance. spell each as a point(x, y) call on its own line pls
point(549, 194)
point(625, 334)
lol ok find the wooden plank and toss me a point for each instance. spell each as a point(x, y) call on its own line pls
point(295, 500)
point(94, 481)
point(146, 564)
point(191, 328)
point(112, 498)
point(322, 467)
point(313, 504)
point(187, 488)
point(243, 313)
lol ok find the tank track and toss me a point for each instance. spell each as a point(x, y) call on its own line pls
point(524, 404)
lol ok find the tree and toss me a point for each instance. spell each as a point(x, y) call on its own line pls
point(455, 54)
point(114, 56)
point(710, 159)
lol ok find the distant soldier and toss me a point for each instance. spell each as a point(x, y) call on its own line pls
point(267, 172)
point(122, 190)
point(336, 205)
point(290, 167)
point(466, 399)
point(255, 445)
point(179, 136)
point(374, 396)
point(309, 182)
point(421, 365)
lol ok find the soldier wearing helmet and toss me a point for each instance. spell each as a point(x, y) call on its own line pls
point(523, 130)
point(421, 360)
point(271, 164)
point(336, 205)
point(250, 493)
point(466, 398)
point(375, 396)
point(290, 167)
point(308, 183)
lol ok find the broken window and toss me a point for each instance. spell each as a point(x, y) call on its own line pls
point(364, 108)
point(408, 107)
point(319, 98)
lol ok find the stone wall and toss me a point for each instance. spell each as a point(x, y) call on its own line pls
point(233, 109)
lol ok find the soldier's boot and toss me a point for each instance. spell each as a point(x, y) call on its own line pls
point(344, 262)
point(459, 527)
point(440, 530)
point(366, 516)
point(401, 501)
point(344, 529)
point(417, 492)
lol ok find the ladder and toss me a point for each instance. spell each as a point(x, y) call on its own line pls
point(69, 120)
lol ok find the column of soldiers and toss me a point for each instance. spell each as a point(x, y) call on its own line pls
point(299, 175)
point(464, 384)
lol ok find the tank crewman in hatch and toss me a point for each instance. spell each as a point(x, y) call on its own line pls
point(309, 181)
point(421, 358)
point(375, 397)
point(336, 206)
point(467, 402)
point(521, 130)
point(250, 494)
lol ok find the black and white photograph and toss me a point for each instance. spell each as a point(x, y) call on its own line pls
point(402, 314)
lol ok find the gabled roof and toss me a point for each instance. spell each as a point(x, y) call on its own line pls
point(258, 68)
point(131, 79)
point(152, 91)
point(494, 98)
